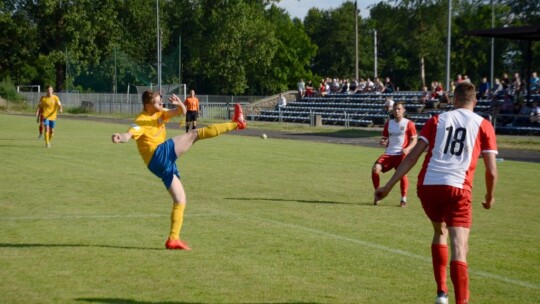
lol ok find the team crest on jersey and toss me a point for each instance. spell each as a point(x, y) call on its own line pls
point(136, 127)
point(402, 128)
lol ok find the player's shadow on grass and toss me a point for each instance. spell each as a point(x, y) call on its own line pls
point(36, 245)
point(129, 301)
point(286, 200)
point(360, 203)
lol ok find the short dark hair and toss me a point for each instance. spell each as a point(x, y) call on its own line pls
point(148, 96)
point(465, 93)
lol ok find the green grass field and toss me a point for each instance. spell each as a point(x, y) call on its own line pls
point(270, 221)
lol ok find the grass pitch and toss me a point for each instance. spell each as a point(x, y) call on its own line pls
point(270, 221)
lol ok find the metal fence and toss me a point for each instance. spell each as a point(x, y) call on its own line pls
point(212, 106)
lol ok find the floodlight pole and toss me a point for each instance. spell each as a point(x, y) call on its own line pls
point(375, 70)
point(158, 47)
point(492, 67)
point(448, 45)
point(356, 39)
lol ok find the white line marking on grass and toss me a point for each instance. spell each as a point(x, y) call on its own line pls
point(398, 252)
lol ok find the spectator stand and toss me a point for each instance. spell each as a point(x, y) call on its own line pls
point(366, 110)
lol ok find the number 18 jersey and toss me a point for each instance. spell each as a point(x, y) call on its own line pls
point(455, 140)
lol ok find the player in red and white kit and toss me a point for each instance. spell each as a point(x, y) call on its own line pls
point(399, 137)
point(455, 140)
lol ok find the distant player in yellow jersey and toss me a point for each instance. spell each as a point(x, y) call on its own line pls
point(49, 106)
point(160, 154)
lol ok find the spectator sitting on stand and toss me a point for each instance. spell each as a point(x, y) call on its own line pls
point(388, 86)
point(483, 89)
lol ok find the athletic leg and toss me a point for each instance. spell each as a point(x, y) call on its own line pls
point(178, 195)
point(459, 238)
point(404, 186)
point(376, 179)
point(439, 257)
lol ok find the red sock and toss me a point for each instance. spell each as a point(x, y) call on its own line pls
point(404, 185)
point(439, 257)
point(375, 179)
point(460, 278)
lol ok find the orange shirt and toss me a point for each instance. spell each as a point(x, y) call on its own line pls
point(192, 104)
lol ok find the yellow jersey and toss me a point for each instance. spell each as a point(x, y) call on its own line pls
point(49, 106)
point(149, 132)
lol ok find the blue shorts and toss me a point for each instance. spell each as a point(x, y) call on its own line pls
point(49, 123)
point(163, 163)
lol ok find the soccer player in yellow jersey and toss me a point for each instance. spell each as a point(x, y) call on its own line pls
point(49, 106)
point(160, 154)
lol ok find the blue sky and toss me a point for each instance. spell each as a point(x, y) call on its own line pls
point(299, 8)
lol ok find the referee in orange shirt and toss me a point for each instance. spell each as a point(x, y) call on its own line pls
point(192, 106)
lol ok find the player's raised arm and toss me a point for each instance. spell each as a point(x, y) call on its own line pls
point(121, 137)
point(180, 107)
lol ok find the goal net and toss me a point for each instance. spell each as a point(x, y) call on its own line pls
point(28, 88)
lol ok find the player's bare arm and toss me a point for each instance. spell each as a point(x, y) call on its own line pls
point(180, 107)
point(402, 170)
point(121, 137)
point(412, 143)
point(491, 174)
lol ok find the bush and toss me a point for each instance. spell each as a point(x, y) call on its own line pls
point(9, 92)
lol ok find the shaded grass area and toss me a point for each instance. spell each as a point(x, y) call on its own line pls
point(274, 221)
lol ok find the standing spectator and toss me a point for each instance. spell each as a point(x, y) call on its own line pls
point(301, 88)
point(282, 102)
point(459, 79)
point(483, 89)
point(160, 154)
point(49, 106)
point(399, 138)
point(192, 106)
point(534, 84)
point(454, 139)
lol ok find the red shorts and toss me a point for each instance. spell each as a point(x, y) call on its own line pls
point(446, 204)
point(388, 162)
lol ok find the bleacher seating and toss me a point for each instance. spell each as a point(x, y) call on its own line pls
point(366, 110)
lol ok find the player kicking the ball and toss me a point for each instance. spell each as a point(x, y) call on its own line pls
point(160, 154)
point(399, 138)
point(454, 141)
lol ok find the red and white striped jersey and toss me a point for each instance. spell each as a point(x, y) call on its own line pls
point(399, 135)
point(455, 139)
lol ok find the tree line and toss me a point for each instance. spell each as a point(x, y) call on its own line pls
point(250, 47)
